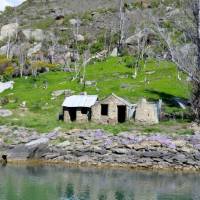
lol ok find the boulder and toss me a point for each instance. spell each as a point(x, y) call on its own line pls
point(34, 49)
point(74, 21)
point(9, 30)
point(6, 86)
point(58, 93)
point(80, 38)
point(120, 151)
point(32, 150)
point(145, 34)
point(19, 152)
point(5, 113)
point(37, 34)
point(64, 144)
point(114, 52)
point(39, 143)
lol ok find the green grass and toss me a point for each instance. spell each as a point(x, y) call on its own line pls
point(110, 75)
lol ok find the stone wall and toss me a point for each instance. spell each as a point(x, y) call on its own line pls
point(66, 116)
point(112, 117)
point(147, 112)
point(81, 117)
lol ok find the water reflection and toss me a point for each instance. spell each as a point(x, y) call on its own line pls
point(58, 183)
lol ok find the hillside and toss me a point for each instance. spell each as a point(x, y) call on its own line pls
point(111, 76)
point(45, 41)
point(50, 24)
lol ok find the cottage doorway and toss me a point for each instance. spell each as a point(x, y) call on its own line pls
point(121, 114)
point(72, 114)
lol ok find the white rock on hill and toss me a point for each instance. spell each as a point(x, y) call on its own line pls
point(9, 30)
point(74, 21)
point(114, 52)
point(6, 86)
point(5, 113)
point(80, 38)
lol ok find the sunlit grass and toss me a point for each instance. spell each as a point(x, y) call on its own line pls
point(112, 76)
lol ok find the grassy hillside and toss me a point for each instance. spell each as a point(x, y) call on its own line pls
point(155, 81)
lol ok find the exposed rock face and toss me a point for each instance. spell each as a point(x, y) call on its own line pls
point(32, 150)
point(145, 35)
point(98, 147)
point(9, 30)
point(34, 49)
point(37, 34)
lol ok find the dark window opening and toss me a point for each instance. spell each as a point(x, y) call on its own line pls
point(84, 111)
point(104, 109)
point(72, 114)
point(121, 114)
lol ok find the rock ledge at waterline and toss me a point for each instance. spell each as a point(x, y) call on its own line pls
point(99, 148)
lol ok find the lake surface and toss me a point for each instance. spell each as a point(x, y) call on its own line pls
point(59, 183)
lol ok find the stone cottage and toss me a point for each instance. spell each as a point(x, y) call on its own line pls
point(148, 112)
point(112, 110)
point(78, 108)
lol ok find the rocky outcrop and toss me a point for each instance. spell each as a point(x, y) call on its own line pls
point(37, 34)
point(98, 147)
point(35, 49)
point(9, 30)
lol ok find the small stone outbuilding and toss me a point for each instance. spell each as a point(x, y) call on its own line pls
point(148, 112)
point(112, 110)
point(78, 108)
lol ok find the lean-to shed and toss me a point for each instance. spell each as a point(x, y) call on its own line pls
point(78, 107)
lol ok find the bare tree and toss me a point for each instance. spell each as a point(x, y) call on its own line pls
point(75, 53)
point(123, 25)
point(22, 60)
point(186, 56)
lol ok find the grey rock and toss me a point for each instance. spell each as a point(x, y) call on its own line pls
point(120, 151)
point(9, 30)
point(37, 34)
point(37, 143)
point(180, 157)
point(152, 154)
point(5, 113)
point(20, 152)
point(34, 49)
point(114, 52)
point(64, 144)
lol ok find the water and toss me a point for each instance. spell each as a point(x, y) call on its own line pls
point(59, 183)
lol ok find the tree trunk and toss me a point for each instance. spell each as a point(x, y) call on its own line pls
point(195, 97)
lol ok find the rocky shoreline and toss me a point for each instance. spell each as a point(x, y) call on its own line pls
point(100, 149)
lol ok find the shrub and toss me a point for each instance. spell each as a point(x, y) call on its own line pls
point(41, 65)
point(6, 67)
point(4, 101)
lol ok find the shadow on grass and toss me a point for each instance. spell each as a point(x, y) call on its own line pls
point(168, 99)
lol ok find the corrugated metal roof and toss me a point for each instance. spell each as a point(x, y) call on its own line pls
point(80, 101)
